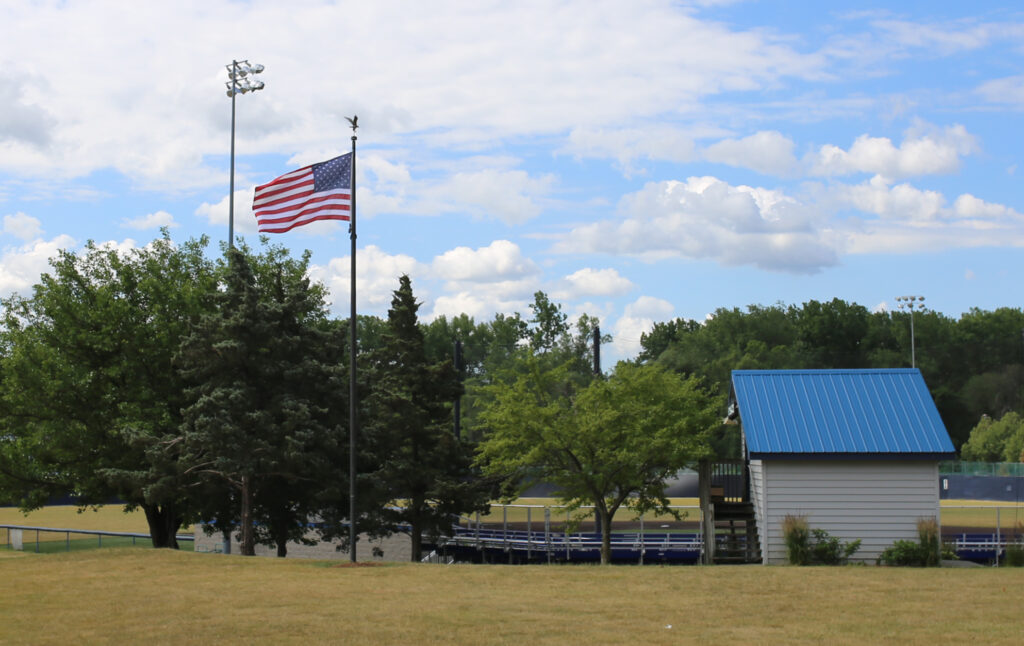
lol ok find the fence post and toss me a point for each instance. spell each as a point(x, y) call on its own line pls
point(999, 541)
point(641, 539)
point(67, 542)
point(547, 532)
point(37, 541)
point(529, 534)
point(504, 525)
point(566, 532)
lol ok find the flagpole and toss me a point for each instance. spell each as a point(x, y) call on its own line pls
point(352, 365)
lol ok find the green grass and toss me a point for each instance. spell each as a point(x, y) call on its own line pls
point(161, 596)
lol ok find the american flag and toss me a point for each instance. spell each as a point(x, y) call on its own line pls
point(318, 192)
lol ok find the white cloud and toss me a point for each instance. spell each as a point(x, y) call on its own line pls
point(21, 267)
point(628, 145)
point(518, 69)
point(637, 319)
point(377, 274)
point(151, 221)
point(217, 214)
point(1007, 91)
point(900, 202)
point(22, 226)
point(500, 261)
point(767, 152)
point(509, 196)
point(706, 218)
point(593, 282)
point(923, 152)
point(480, 304)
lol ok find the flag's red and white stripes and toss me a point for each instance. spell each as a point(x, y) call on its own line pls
point(290, 201)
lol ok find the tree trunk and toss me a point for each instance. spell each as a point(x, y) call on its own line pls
point(164, 524)
point(281, 540)
point(416, 536)
point(248, 538)
point(606, 537)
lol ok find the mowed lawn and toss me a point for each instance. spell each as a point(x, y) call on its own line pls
point(128, 596)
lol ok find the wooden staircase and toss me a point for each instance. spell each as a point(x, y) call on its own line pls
point(736, 535)
point(728, 513)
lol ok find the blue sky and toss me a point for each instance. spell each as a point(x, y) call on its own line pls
point(638, 161)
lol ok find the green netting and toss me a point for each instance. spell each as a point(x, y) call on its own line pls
point(959, 467)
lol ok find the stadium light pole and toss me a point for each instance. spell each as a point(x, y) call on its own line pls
point(911, 303)
point(238, 83)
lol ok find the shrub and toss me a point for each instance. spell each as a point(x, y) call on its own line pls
point(825, 550)
point(797, 537)
point(924, 553)
point(828, 550)
point(1014, 555)
point(1015, 551)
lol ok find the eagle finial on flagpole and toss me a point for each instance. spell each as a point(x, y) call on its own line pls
point(353, 121)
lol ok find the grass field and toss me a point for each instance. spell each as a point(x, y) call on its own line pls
point(160, 596)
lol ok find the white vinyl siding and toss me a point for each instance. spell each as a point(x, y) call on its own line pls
point(877, 501)
point(757, 498)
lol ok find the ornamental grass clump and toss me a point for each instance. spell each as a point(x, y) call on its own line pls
point(823, 550)
point(797, 536)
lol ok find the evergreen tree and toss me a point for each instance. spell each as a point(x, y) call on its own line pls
point(263, 422)
point(420, 464)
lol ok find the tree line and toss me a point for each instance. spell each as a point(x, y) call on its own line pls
point(973, 365)
point(216, 391)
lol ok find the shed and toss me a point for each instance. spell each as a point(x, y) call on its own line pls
point(855, 451)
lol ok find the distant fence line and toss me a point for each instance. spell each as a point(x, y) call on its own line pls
point(960, 467)
point(16, 536)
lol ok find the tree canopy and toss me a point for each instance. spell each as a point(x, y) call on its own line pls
point(90, 401)
point(611, 443)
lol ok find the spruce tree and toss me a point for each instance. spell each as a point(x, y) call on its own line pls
point(261, 427)
point(420, 463)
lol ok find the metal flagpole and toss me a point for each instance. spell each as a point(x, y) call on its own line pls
point(352, 363)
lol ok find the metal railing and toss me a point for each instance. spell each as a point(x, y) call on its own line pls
point(15, 537)
point(555, 542)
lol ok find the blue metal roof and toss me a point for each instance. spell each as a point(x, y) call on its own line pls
point(839, 413)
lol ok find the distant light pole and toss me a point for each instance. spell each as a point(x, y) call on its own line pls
point(911, 303)
point(238, 84)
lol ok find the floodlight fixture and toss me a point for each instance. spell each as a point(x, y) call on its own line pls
point(238, 84)
point(911, 303)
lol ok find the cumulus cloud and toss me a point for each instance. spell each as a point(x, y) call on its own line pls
point(479, 304)
point(500, 261)
point(21, 267)
point(216, 214)
point(637, 319)
point(593, 282)
point(151, 221)
point(377, 275)
point(706, 218)
point(767, 152)
point(921, 153)
point(22, 226)
point(911, 219)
